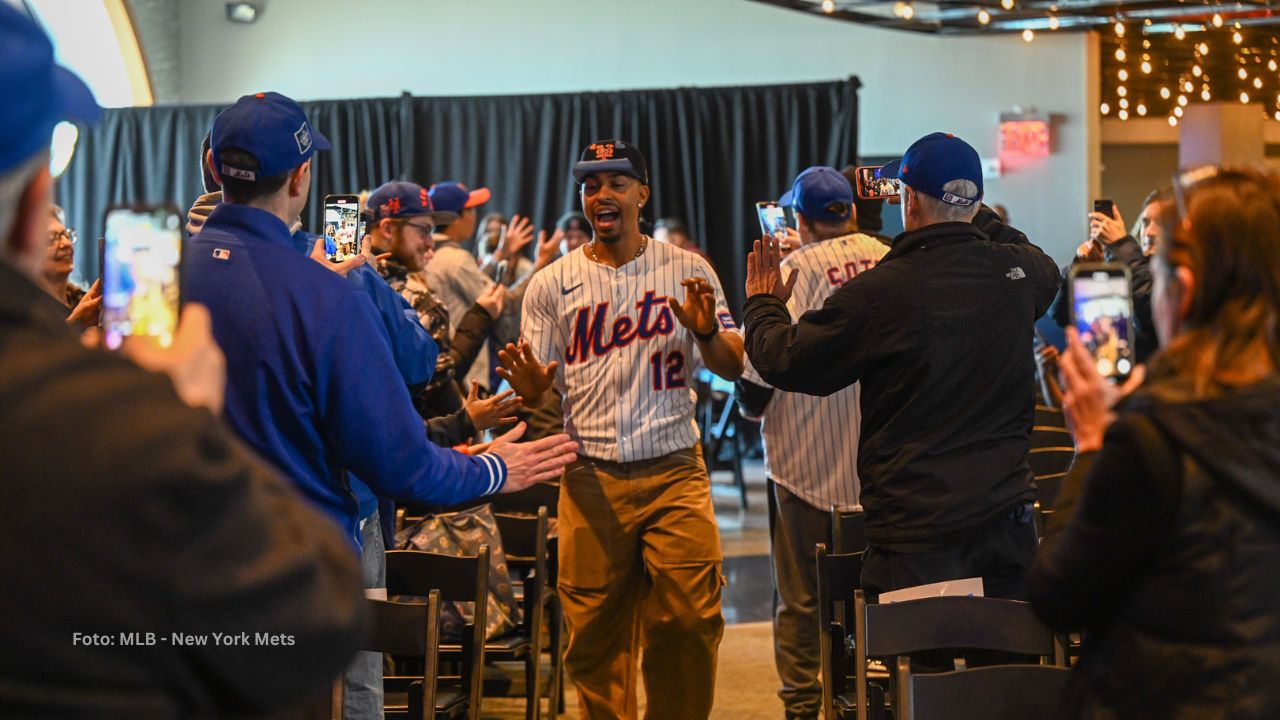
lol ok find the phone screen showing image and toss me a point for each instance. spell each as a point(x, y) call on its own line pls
point(1102, 312)
point(873, 187)
point(141, 270)
point(773, 219)
point(341, 227)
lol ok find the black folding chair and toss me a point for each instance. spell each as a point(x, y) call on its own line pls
point(524, 540)
point(898, 630)
point(839, 576)
point(848, 530)
point(457, 579)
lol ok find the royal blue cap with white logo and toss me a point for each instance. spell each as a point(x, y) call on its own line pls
point(400, 199)
point(935, 160)
point(37, 92)
point(270, 127)
point(820, 193)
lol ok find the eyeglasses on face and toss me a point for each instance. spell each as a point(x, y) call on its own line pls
point(56, 236)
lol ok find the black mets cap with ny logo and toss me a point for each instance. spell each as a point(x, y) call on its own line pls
point(616, 156)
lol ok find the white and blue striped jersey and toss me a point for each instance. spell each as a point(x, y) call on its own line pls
point(626, 364)
point(810, 442)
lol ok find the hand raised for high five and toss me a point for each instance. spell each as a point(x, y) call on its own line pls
point(494, 410)
point(764, 271)
point(517, 237)
point(698, 311)
point(528, 377)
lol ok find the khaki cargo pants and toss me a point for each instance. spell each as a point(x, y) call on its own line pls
point(640, 568)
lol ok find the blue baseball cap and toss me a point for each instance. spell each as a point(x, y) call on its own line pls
point(270, 127)
point(399, 199)
point(820, 193)
point(454, 197)
point(37, 92)
point(935, 160)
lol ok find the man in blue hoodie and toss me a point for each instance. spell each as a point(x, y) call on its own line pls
point(312, 383)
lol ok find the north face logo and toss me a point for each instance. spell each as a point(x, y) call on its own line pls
point(1015, 273)
point(303, 138)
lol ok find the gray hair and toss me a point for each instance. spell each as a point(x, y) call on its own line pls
point(940, 211)
point(12, 185)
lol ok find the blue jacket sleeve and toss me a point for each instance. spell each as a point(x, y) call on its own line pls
point(412, 347)
point(371, 427)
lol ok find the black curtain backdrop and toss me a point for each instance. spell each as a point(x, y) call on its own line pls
point(713, 152)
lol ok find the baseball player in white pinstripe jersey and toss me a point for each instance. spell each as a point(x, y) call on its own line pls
point(639, 549)
point(811, 471)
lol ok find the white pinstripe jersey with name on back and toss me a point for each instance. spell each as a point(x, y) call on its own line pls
point(626, 364)
point(811, 443)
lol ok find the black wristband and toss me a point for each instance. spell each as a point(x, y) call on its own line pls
point(709, 336)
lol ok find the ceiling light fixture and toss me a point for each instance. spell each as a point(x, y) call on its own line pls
point(984, 17)
point(1028, 35)
point(242, 12)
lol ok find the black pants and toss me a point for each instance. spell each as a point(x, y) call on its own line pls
point(1000, 552)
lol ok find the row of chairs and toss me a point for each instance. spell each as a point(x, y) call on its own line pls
point(856, 635)
point(440, 680)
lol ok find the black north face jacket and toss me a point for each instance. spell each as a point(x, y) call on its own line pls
point(940, 334)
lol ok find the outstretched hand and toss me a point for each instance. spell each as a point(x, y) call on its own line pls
point(517, 237)
point(532, 462)
point(698, 311)
point(764, 271)
point(492, 411)
point(527, 376)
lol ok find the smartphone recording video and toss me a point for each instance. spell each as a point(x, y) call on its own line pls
point(1106, 207)
point(773, 219)
point(141, 271)
point(873, 187)
point(341, 227)
point(1102, 312)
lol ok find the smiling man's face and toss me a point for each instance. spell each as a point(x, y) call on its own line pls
point(611, 201)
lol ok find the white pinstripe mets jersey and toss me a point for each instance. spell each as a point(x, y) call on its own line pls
point(811, 443)
point(626, 364)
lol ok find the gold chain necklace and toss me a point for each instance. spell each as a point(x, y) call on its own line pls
point(644, 243)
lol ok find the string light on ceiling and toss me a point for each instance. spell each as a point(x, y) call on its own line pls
point(1054, 24)
point(1178, 32)
point(1217, 20)
point(1028, 35)
point(984, 17)
point(1006, 4)
point(828, 6)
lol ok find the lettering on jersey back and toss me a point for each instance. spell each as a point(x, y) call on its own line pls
point(838, 276)
point(589, 338)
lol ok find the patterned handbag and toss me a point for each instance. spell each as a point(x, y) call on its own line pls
point(460, 534)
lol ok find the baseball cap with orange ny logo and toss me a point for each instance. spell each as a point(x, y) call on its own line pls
point(611, 156)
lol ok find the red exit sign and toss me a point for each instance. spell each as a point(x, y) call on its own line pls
point(1029, 138)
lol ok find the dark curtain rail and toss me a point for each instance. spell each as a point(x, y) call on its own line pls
point(713, 152)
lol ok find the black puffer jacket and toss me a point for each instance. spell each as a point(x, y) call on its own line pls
point(1168, 555)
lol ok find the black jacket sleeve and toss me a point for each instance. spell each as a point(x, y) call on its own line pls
point(468, 338)
point(1129, 252)
point(1112, 514)
point(752, 399)
point(452, 429)
point(798, 358)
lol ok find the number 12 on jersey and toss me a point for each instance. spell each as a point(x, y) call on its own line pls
point(668, 375)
